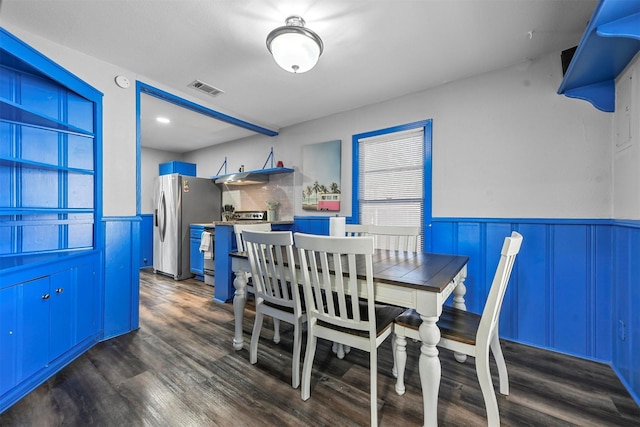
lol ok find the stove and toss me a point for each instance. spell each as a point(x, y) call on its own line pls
point(250, 216)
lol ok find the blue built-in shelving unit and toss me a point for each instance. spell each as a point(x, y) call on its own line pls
point(609, 43)
point(51, 241)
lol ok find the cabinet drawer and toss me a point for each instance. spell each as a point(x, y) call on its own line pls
point(196, 233)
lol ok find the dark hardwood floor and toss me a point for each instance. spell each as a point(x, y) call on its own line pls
point(179, 369)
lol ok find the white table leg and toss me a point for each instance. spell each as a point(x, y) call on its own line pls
point(458, 302)
point(400, 356)
point(430, 369)
point(239, 302)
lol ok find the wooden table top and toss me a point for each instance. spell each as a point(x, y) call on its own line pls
point(429, 271)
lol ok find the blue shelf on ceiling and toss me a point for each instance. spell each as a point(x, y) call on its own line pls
point(609, 43)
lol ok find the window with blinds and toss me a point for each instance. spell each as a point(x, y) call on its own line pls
point(390, 174)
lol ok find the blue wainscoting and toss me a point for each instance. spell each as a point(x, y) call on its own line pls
point(626, 304)
point(560, 293)
point(574, 288)
point(122, 275)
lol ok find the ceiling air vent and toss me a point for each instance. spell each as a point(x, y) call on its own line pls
point(206, 88)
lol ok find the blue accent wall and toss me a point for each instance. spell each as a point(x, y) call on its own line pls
point(121, 275)
point(574, 288)
point(626, 304)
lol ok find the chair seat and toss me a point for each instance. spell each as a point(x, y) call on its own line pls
point(289, 309)
point(385, 315)
point(455, 324)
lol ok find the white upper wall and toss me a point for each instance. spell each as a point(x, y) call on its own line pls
point(626, 147)
point(504, 143)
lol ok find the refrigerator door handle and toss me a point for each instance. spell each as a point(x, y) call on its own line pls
point(163, 216)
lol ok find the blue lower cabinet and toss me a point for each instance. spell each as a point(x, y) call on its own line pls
point(223, 289)
point(196, 257)
point(30, 331)
point(146, 241)
point(46, 321)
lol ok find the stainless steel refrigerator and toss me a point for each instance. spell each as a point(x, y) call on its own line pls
point(180, 201)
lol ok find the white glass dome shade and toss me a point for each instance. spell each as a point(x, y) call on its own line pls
point(294, 47)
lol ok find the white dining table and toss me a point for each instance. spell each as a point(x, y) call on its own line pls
point(422, 281)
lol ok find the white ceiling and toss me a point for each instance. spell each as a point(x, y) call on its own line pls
point(374, 50)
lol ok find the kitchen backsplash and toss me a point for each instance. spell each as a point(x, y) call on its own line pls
point(254, 197)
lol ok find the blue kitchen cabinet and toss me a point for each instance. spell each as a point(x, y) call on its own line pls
point(196, 257)
point(223, 289)
point(183, 168)
point(146, 240)
point(51, 306)
point(47, 164)
point(24, 337)
point(41, 320)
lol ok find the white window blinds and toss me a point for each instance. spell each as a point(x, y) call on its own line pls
point(391, 170)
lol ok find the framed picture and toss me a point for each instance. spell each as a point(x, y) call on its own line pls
point(321, 165)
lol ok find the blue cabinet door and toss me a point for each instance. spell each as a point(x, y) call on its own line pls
point(8, 338)
point(197, 258)
point(87, 308)
point(33, 304)
point(146, 241)
point(63, 301)
point(196, 264)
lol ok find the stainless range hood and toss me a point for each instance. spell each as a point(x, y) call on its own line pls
point(243, 178)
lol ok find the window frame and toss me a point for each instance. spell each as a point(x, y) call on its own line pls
point(426, 126)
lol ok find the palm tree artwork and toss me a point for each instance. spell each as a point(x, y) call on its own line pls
point(321, 168)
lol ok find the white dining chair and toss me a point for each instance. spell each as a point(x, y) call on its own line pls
point(399, 238)
point(351, 230)
point(356, 230)
point(395, 237)
point(237, 230)
point(273, 272)
point(468, 333)
point(342, 318)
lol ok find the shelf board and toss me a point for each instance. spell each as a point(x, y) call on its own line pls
point(43, 211)
point(273, 171)
point(268, 171)
point(609, 43)
point(13, 162)
point(16, 113)
point(12, 260)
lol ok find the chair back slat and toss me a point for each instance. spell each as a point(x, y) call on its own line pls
point(356, 230)
point(239, 228)
point(491, 313)
point(273, 269)
point(397, 238)
point(329, 266)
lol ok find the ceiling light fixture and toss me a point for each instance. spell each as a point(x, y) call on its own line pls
point(294, 47)
point(163, 120)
